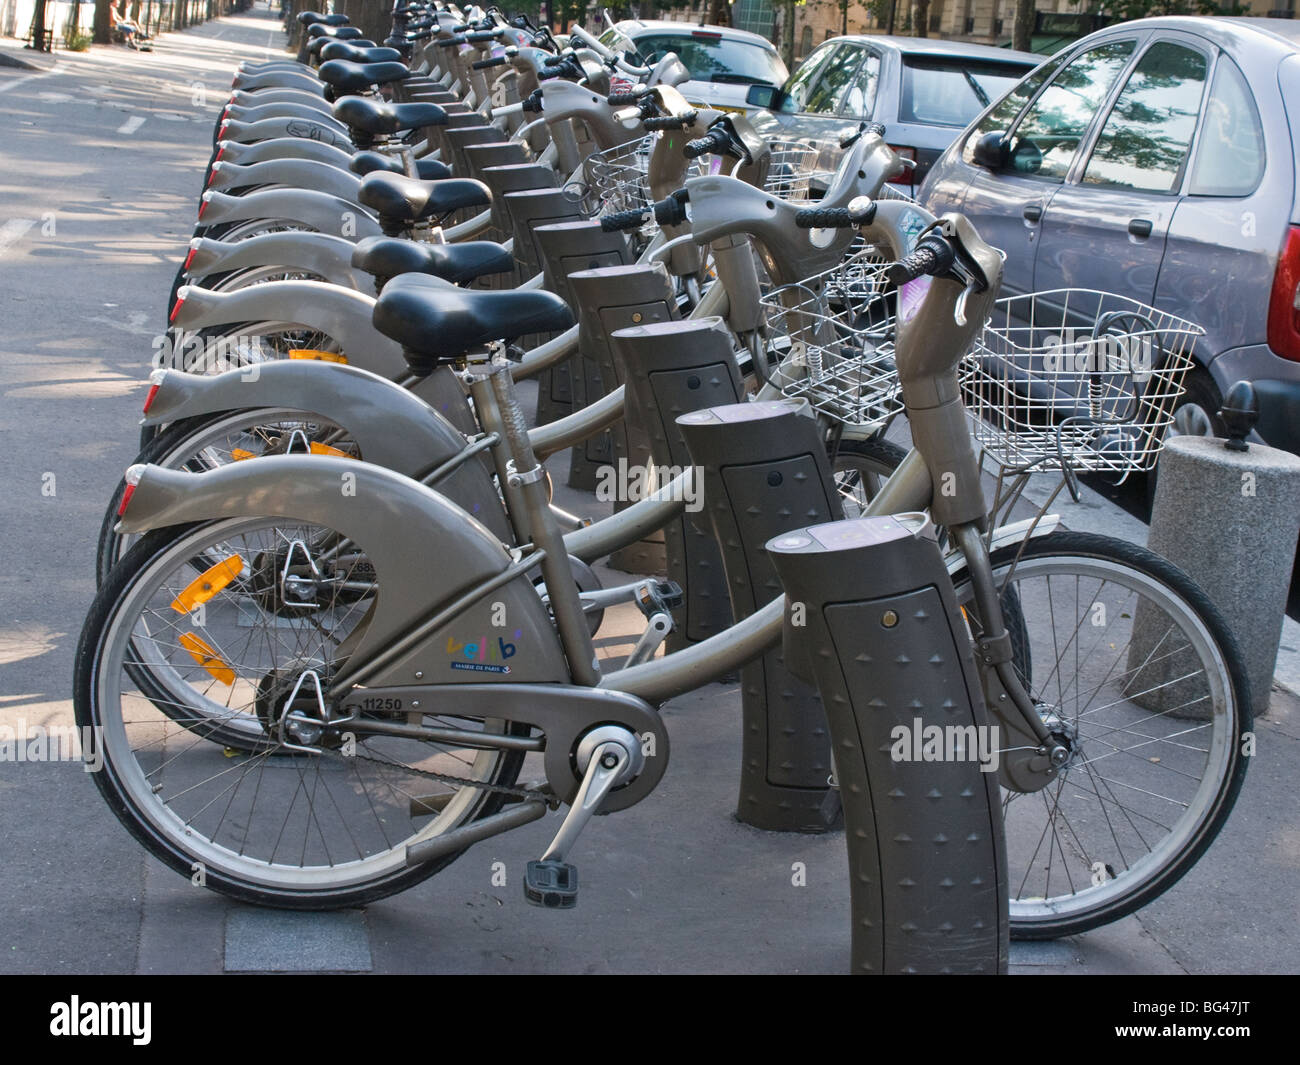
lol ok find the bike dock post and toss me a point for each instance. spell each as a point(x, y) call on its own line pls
point(668, 369)
point(765, 472)
point(871, 617)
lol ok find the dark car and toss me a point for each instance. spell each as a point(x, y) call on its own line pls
point(923, 90)
point(1157, 160)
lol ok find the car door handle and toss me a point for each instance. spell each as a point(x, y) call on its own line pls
point(1032, 212)
point(1140, 227)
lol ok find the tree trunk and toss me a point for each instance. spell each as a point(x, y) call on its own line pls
point(1022, 27)
point(921, 19)
point(786, 31)
point(719, 13)
point(103, 21)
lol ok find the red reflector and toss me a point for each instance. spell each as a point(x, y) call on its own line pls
point(203, 205)
point(189, 258)
point(175, 310)
point(148, 400)
point(126, 500)
point(220, 152)
point(1283, 312)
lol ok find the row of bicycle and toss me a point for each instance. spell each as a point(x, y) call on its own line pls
point(343, 633)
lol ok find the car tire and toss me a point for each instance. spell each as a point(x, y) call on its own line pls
point(1196, 413)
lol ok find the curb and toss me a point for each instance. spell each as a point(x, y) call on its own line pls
point(14, 57)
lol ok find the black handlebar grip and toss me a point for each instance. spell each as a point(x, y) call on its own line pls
point(620, 220)
point(483, 35)
point(932, 255)
point(483, 64)
point(710, 142)
point(823, 218)
point(617, 99)
point(451, 41)
point(668, 121)
point(554, 60)
point(461, 28)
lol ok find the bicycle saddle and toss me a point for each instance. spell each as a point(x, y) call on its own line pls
point(356, 54)
point(339, 33)
point(317, 45)
point(309, 18)
point(385, 258)
point(436, 324)
point(364, 163)
point(371, 117)
point(400, 201)
point(344, 76)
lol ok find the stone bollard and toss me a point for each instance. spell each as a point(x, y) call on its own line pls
point(1229, 517)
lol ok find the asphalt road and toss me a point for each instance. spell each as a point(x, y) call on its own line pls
point(100, 164)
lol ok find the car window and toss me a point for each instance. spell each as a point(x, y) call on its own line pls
point(861, 97)
point(832, 88)
point(1046, 140)
point(948, 92)
point(1005, 111)
point(1147, 134)
point(1230, 155)
point(711, 57)
point(795, 96)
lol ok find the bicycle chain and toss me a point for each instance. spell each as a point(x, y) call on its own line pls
point(523, 794)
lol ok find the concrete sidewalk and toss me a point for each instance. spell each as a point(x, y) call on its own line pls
point(100, 181)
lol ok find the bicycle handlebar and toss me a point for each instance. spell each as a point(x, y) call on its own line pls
point(933, 255)
point(836, 217)
point(669, 121)
point(621, 220)
point(495, 61)
point(713, 141)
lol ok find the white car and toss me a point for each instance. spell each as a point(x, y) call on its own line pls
point(724, 63)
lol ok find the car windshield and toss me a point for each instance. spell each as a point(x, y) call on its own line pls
point(711, 57)
point(951, 92)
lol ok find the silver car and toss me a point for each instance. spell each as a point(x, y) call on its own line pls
point(1157, 159)
point(923, 90)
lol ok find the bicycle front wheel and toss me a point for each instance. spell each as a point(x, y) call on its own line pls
point(1134, 670)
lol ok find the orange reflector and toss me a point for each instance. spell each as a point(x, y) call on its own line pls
point(321, 356)
point(207, 584)
point(239, 454)
point(325, 449)
point(207, 658)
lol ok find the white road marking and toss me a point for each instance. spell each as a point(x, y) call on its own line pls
point(131, 124)
point(12, 231)
point(6, 86)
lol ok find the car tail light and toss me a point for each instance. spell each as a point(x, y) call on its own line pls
point(132, 479)
point(1284, 303)
point(705, 35)
point(905, 178)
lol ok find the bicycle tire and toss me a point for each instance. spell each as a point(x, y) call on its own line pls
point(1112, 891)
point(125, 785)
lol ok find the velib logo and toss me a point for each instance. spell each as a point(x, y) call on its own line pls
point(103, 1018)
point(484, 655)
point(919, 742)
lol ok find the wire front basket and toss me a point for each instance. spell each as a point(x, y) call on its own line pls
point(1078, 379)
point(616, 178)
point(840, 327)
point(793, 173)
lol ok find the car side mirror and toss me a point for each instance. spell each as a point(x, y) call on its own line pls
point(992, 150)
point(762, 96)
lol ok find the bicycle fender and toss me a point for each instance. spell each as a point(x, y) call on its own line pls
point(426, 551)
point(319, 210)
point(279, 79)
point(340, 313)
point(291, 173)
point(294, 250)
point(391, 426)
point(285, 126)
point(282, 148)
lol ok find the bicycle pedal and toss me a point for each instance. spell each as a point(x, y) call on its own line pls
point(551, 884)
point(671, 594)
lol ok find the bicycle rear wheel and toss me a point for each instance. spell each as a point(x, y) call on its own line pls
point(169, 694)
point(1134, 669)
